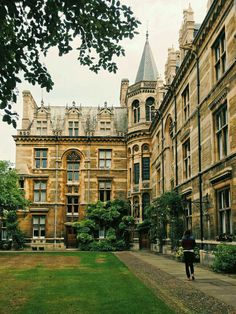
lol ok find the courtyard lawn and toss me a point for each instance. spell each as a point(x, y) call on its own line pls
point(72, 282)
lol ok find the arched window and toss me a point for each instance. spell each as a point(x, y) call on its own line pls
point(145, 202)
point(136, 111)
point(73, 163)
point(149, 106)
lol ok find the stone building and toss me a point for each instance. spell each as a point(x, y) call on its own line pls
point(179, 135)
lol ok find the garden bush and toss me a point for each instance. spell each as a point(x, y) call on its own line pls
point(225, 259)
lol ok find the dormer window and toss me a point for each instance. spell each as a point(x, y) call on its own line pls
point(41, 127)
point(73, 128)
point(105, 126)
point(136, 111)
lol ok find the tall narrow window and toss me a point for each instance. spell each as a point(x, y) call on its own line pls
point(158, 181)
point(146, 168)
point(188, 213)
point(158, 142)
point(186, 159)
point(104, 190)
point(40, 191)
point(40, 158)
point(149, 107)
point(105, 159)
point(73, 164)
point(145, 202)
point(221, 126)
point(72, 205)
point(41, 127)
point(186, 104)
point(136, 173)
point(219, 55)
point(136, 111)
point(39, 226)
point(224, 207)
point(73, 128)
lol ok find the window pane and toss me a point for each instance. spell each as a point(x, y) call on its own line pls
point(42, 232)
point(36, 196)
point(43, 196)
point(102, 163)
point(44, 163)
point(101, 185)
point(42, 220)
point(43, 185)
point(102, 154)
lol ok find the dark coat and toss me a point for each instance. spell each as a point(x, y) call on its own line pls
point(188, 243)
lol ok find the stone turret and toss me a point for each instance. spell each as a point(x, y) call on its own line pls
point(172, 64)
point(186, 33)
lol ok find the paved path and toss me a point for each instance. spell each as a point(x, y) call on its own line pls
point(207, 283)
point(222, 287)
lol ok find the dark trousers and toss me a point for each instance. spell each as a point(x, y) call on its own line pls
point(189, 259)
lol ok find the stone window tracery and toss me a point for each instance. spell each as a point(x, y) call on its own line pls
point(150, 109)
point(136, 111)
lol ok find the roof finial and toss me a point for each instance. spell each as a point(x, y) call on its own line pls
point(147, 31)
point(42, 102)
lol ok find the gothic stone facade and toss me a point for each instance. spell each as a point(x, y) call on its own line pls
point(180, 136)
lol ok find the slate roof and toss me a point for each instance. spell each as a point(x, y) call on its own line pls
point(147, 70)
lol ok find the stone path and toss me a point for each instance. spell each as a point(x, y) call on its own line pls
point(209, 293)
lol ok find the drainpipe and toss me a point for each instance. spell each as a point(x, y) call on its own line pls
point(176, 144)
point(199, 150)
point(162, 156)
point(89, 155)
point(56, 197)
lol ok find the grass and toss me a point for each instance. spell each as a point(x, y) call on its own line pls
point(72, 282)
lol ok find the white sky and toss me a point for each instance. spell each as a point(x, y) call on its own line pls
point(76, 83)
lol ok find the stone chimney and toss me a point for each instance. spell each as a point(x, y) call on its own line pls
point(123, 91)
point(29, 107)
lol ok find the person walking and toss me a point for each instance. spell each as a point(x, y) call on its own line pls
point(188, 244)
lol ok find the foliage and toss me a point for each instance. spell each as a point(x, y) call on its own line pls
point(179, 254)
point(13, 231)
point(11, 198)
point(29, 29)
point(165, 210)
point(111, 216)
point(225, 258)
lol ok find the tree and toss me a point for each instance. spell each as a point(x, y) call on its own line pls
point(11, 199)
point(29, 28)
point(113, 218)
point(165, 211)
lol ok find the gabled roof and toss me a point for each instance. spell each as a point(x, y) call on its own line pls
point(147, 70)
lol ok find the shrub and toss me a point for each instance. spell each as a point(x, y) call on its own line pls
point(225, 258)
point(102, 245)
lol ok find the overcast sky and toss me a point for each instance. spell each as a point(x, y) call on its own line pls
point(76, 83)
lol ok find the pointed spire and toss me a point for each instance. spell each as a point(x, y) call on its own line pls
point(147, 70)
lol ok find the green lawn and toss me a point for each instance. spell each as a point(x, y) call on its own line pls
point(72, 282)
